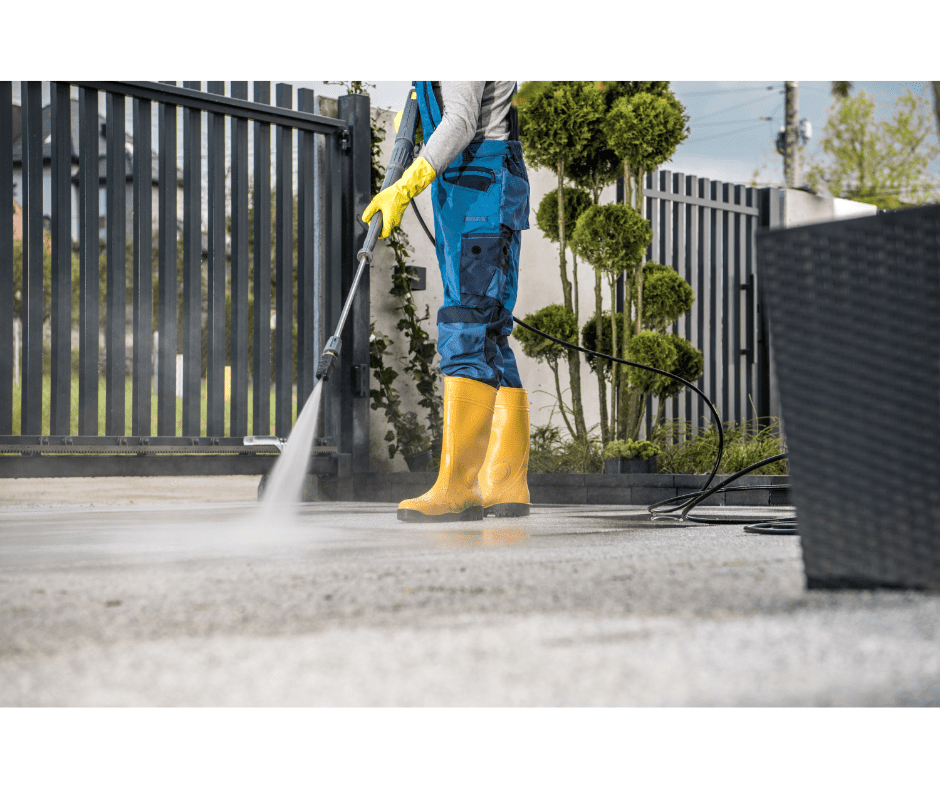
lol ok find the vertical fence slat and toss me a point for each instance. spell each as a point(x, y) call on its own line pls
point(239, 337)
point(60, 383)
point(6, 258)
point(192, 268)
point(141, 411)
point(655, 253)
point(261, 367)
point(167, 270)
point(354, 109)
point(320, 231)
point(736, 297)
point(215, 350)
point(676, 407)
point(284, 231)
point(305, 256)
point(724, 302)
point(89, 297)
point(716, 283)
point(117, 266)
point(31, 391)
point(759, 356)
point(704, 288)
point(692, 317)
point(333, 274)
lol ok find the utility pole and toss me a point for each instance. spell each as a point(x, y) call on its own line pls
point(791, 156)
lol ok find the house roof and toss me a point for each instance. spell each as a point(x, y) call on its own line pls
point(73, 152)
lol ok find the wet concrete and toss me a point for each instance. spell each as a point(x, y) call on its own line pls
point(196, 603)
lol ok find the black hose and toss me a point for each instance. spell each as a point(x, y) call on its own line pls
point(684, 504)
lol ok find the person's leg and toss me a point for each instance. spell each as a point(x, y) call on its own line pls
point(502, 477)
point(469, 324)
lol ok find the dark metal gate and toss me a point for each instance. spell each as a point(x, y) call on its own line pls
point(190, 311)
point(706, 231)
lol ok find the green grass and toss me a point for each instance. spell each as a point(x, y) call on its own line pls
point(128, 399)
point(686, 449)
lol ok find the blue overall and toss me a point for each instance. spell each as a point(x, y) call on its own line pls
point(481, 203)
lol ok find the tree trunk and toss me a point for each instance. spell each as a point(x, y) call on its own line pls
point(601, 382)
point(638, 195)
point(574, 277)
point(562, 240)
point(574, 361)
point(637, 412)
point(561, 402)
point(936, 103)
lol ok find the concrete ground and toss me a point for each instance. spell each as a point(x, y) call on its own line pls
point(179, 592)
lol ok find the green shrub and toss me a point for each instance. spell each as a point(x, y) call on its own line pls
point(631, 450)
point(686, 449)
point(550, 453)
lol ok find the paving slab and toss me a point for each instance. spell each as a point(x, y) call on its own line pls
point(191, 597)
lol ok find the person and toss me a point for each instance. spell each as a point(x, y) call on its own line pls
point(472, 159)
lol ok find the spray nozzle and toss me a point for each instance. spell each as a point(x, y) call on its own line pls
point(328, 358)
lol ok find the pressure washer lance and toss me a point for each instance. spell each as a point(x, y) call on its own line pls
point(402, 156)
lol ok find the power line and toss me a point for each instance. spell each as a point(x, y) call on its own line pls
point(729, 122)
point(723, 134)
point(728, 109)
point(728, 90)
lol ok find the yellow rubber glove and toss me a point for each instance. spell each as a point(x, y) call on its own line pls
point(393, 200)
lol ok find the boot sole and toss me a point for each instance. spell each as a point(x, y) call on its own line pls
point(507, 510)
point(414, 516)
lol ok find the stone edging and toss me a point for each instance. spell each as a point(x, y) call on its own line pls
point(560, 488)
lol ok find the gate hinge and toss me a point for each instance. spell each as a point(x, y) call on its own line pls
point(345, 140)
point(360, 381)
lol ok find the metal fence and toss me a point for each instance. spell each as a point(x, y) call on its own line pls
point(148, 204)
point(706, 231)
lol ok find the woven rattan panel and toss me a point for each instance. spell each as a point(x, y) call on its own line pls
point(854, 311)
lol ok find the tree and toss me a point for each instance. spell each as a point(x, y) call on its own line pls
point(559, 321)
point(885, 163)
point(559, 123)
point(612, 238)
point(577, 201)
point(644, 127)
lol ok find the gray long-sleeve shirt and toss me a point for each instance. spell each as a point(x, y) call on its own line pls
point(470, 111)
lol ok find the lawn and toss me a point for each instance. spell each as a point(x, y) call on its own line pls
point(128, 400)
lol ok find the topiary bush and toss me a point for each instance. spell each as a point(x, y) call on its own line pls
point(666, 296)
point(631, 450)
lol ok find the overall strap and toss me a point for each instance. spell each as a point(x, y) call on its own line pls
point(514, 117)
point(427, 104)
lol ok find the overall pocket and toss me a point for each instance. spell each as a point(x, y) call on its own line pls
point(514, 191)
point(470, 177)
point(484, 258)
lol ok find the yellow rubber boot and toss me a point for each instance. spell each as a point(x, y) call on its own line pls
point(468, 417)
point(503, 475)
